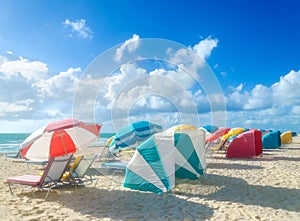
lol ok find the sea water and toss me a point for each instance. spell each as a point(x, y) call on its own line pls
point(10, 142)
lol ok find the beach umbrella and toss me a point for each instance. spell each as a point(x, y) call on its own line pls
point(217, 134)
point(133, 134)
point(59, 138)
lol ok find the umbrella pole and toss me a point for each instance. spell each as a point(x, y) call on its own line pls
point(63, 142)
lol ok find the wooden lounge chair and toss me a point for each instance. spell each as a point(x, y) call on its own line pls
point(50, 179)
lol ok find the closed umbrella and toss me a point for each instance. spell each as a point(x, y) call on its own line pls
point(59, 138)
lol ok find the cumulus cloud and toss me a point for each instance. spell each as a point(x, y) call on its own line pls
point(30, 91)
point(129, 45)
point(61, 85)
point(260, 97)
point(205, 47)
point(14, 109)
point(296, 110)
point(287, 90)
point(29, 70)
point(274, 107)
point(79, 28)
point(169, 95)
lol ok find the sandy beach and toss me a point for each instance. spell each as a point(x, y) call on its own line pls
point(263, 188)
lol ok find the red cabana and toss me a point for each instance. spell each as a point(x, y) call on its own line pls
point(245, 145)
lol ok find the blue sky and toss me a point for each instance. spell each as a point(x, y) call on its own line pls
point(251, 47)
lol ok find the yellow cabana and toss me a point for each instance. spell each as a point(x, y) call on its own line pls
point(181, 127)
point(233, 132)
point(286, 137)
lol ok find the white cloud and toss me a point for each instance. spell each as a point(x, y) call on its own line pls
point(9, 52)
point(274, 107)
point(296, 110)
point(167, 95)
point(205, 47)
point(29, 91)
point(29, 70)
point(193, 58)
point(61, 85)
point(260, 97)
point(79, 27)
point(129, 45)
point(287, 90)
point(14, 109)
point(56, 113)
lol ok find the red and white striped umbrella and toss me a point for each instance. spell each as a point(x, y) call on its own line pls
point(59, 138)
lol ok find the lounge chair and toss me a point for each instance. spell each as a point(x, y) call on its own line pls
point(14, 155)
point(50, 179)
point(118, 166)
point(72, 167)
point(80, 173)
point(36, 162)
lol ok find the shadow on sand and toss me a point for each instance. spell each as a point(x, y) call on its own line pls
point(238, 190)
point(235, 166)
point(120, 205)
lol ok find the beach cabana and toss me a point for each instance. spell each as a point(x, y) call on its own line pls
point(286, 137)
point(181, 127)
point(165, 156)
point(245, 145)
point(190, 159)
point(271, 140)
point(210, 128)
point(153, 164)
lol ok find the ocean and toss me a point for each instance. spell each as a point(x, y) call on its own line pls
point(10, 142)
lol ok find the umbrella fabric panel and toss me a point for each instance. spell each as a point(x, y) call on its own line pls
point(186, 148)
point(183, 168)
point(145, 129)
point(136, 182)
point(140, 176)
point(152, 166)
point(34, 150)
point(190, 155)
point(217, 134)
point(62, 124)
point(198, 139)
point(133, 134)
point(82, 137)
point(149, 152)
point(61, 144)
point(53, 144)
point(41, 145)
point(32, 137)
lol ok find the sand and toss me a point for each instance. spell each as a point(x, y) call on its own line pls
point(264, 188)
